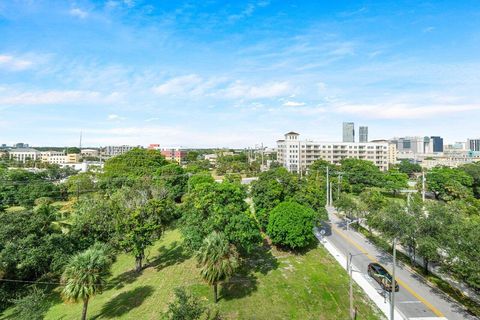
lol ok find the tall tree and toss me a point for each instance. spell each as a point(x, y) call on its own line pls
point(271, 188)
point(449, 183)
point(361, 174)
point(291, 225)
point(85, 276)
point(409, 168)
point(218, 207)
point(218, 260)
point(129, 167)
point(141, 217)
point(395, 181)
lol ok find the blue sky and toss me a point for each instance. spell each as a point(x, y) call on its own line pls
point(236, 73)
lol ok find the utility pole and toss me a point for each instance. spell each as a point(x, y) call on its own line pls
point(328, 190)
point(350, 284)
point(423, 185)
point(339, 185)
point(331, 196)
point(392, 294)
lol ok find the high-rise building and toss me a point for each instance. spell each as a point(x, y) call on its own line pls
point(473, 144)
point(363, 134)
point(297, 155)
point(348, 132)
point(437, 143)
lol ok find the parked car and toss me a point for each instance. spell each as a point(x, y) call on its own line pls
point(381, 275)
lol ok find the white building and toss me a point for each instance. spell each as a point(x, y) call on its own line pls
point(24, 154)
point(90, 152)
point(112, 151)
point(297, 155)
point(56, 157)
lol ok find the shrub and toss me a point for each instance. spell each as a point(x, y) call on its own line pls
point(290, 224)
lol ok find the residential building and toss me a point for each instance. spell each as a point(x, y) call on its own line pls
point(363, 134)
point(297, 155)
point(348, 132)
point(56, 157)
point(111, 151)
point(212, 157)
point(174, 154)
point(392, 150)
point(473, 144)
point(90, 152)
point(24, 154)
point(437, 144)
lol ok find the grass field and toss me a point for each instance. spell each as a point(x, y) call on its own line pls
point(280, 285)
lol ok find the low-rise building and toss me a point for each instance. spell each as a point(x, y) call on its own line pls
point(24, 154)
point(174, 154)
point(111, 151)
point(56, 157)
point(297, 155)
point(89, 152)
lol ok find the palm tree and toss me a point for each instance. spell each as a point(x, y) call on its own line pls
point(85, 275)
point(218, 260)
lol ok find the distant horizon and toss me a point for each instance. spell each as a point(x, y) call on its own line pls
point(135, 72)
point(445, 142)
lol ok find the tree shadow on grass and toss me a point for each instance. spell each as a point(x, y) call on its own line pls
point(312, 244)
point(122, 279)
point(125, 302)
point(245, 281)
point(171, 255)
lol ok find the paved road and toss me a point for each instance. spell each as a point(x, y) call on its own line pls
point(415, 300)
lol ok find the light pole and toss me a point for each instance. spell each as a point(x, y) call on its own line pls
point(392, 295)
point(328, 189)
point(350, 271)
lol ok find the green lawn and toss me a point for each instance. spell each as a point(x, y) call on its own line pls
point(281, 286)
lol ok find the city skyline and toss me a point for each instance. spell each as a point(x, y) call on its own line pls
point(218, 74)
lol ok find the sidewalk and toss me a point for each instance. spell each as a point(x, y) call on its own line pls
point(360, 278)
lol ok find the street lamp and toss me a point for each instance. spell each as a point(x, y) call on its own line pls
point(350, 271)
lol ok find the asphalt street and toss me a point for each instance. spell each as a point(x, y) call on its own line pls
point(416, 300)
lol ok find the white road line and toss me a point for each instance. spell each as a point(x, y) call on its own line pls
point(412, 301)
point(428, 318)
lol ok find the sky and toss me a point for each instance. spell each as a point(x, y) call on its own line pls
point(236, 73)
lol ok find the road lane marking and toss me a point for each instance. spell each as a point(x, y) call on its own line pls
point(412, 301)
point(400, 282)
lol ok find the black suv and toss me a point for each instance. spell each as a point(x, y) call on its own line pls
point(384, 279)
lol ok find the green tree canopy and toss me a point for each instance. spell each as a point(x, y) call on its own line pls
point(361, 174)
point(218, 207)
point(449, 183)
point(132, 165)
point(141, 217)
point(272, 187)
point(291, 225)
point(394, 181)
point(409, 168)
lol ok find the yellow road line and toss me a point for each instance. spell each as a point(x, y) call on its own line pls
point(400, 282)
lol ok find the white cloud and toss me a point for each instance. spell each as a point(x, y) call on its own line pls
point(115, 117)
point(56, 96)
point(404, 110)
point(79, 13)
point(179, 85)
point(152, 119)
point(14, 63)
point(293, 104)
point(239, 90)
